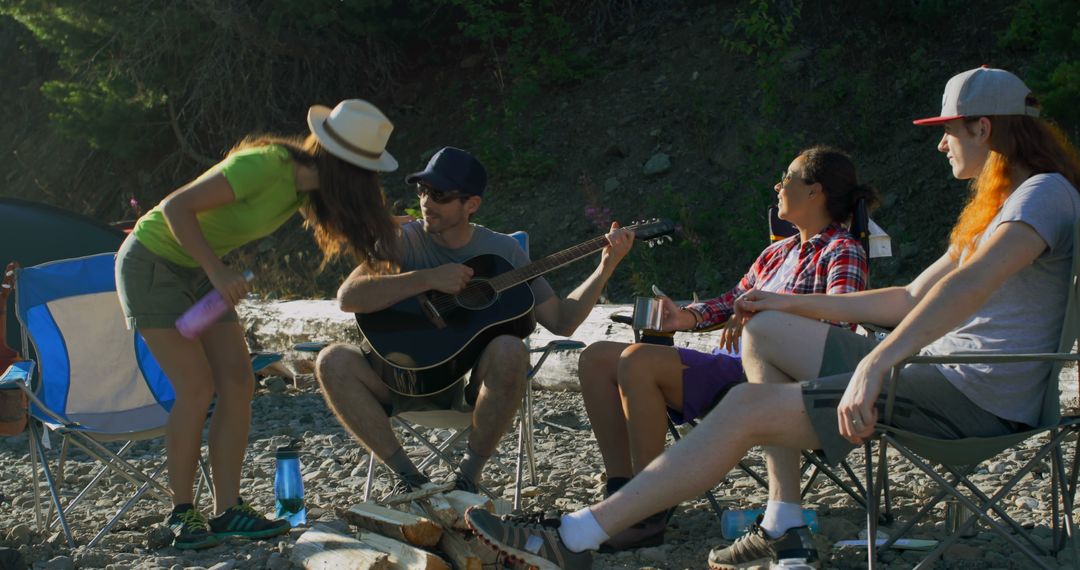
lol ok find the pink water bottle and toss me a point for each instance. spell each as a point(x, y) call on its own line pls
point(204, 313)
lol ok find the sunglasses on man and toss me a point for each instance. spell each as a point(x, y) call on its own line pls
point(438, 196)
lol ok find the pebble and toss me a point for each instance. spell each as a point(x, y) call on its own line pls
point(570, 475)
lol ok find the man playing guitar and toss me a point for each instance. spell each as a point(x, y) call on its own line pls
point(359, 387)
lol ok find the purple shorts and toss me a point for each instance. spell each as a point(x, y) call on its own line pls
point(706, 378)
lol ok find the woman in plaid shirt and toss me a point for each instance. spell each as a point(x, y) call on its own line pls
point(631, 390)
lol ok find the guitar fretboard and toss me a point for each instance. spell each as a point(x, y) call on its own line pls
point(539, 267)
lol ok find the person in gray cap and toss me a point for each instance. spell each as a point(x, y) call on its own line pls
point(1001, 286)
point(358, 384)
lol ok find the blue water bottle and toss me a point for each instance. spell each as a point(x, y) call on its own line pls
point(289, 485)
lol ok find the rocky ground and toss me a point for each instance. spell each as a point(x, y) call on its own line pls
point(569, 476)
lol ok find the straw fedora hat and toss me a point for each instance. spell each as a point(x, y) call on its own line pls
point(354, 131)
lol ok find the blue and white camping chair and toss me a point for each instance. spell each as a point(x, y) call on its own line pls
point(96, 380)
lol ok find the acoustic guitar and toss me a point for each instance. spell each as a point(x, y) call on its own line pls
point(433, 339)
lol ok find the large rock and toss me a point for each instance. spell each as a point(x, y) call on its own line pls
point(280, 325)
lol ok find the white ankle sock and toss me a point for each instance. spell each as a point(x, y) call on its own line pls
point(779, 517)
point(579, 531)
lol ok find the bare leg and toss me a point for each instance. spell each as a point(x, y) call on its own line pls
point(650, 379)
point(187, 367)
point(597, 373)
point(769, 358)
point(356, 395)
point(749, 415)
point(502, 372)
point(234, 382)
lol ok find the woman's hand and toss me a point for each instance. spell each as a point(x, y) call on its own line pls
point(230, 283)
point(756, 300)
point(729, 337)
point(857, 412)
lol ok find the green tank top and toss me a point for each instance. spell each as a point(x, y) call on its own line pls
point(264, 186)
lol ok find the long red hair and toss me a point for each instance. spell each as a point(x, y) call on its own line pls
point(1015, 141)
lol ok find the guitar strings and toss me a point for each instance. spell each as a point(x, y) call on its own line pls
point(447, 302)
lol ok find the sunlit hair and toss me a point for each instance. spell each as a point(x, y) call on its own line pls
point(348, 213)
point(1015, 141)
point(835, 171)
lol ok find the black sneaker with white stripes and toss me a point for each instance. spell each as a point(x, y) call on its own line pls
point(244, 521)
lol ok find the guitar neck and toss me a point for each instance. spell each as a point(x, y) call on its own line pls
point(539, 267)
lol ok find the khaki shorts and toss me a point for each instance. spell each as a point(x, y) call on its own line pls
point(153, 291)
point(926, 403)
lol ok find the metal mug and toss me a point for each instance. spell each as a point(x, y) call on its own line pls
point(648, 313)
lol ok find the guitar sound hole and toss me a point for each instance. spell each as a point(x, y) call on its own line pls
point(478, 294)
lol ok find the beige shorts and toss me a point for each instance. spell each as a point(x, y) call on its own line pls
point(926, 403)
point(153, 291)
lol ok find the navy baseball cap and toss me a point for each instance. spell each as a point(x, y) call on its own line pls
point(452, 169)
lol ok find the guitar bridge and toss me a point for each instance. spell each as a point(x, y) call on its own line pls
point(430, 311)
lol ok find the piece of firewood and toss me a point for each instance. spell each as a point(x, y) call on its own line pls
point(460, 548)
point(462, 501)
point(322, 548)
point(436, 508)
point(427, 490)
point(466, 554)
point(404, 556)
point(415, 530)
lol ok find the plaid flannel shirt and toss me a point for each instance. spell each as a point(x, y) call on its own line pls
point(831, 262)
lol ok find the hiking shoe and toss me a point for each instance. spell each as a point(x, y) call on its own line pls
point(190, 530)
point(756, 548)
point(531, 542)
point(244, 521)
point(647, 532)
point(463, 483)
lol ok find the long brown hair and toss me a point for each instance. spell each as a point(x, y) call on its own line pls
point(1015, 141)
point(348, 213)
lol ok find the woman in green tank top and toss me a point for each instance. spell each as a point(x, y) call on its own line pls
point(173, 258)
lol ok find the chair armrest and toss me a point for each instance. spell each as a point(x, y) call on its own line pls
point(18, 373)
point(315, 346)
point(558, 345)
point(969, 358)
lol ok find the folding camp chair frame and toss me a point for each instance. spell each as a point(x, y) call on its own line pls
point(43, 420)
point(1057, 427)
point(440, 451)
point(1063, 486)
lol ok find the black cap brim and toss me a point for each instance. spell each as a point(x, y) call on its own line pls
point(433, 179)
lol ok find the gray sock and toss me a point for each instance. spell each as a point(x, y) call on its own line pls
point(472, 465)
point(400, 463)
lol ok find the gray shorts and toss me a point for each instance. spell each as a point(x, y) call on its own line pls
point(154, 291)
point(926, 403)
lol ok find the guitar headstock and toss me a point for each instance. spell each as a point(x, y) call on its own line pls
point(7, 285)
point(654, 231)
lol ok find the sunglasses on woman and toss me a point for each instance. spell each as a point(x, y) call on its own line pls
point(438, 196)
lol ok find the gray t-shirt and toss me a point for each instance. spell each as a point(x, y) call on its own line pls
point(1025, 313)
point(419, 251)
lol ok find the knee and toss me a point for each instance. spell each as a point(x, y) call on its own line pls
point(633, 360)
point(508, 364)
point(332, 363)
point(758, 329)
point(598, 357)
